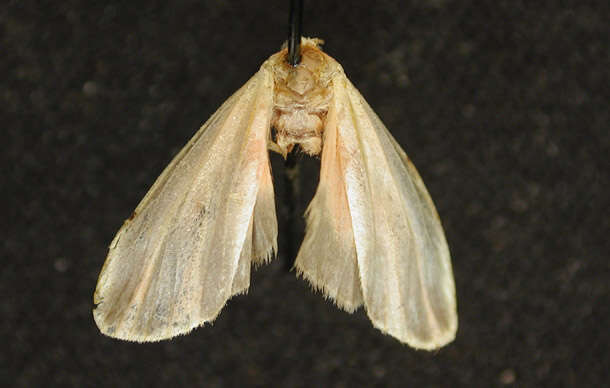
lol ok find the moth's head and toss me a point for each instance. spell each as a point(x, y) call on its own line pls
point(312, 73)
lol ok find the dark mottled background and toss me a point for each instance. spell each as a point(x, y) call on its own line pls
point(502, 105)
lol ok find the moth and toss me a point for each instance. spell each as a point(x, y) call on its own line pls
point(373, 235)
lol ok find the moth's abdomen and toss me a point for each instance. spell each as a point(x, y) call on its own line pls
point(299, 127)
point(301, 98)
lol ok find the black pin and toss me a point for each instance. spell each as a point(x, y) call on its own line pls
point(295, 24)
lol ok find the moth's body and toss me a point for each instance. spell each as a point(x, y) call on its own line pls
point(373, 237)
point(301, 100)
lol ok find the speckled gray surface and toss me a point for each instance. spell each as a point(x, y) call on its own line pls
point(502, 106)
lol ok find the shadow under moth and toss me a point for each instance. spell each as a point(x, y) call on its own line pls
point(373, 235)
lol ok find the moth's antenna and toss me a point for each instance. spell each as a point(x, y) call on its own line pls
point(291, 200)
point(291, 168)
point(295, 24)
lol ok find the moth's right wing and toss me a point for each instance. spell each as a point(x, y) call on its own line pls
point(403, 257)
point(188, 247)
point(327, 257)
point(373, 235)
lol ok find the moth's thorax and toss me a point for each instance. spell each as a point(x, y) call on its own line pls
point(301, 98)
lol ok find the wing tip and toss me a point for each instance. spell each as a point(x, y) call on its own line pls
point(319, 286)
point(436, 341)
point(117, 331)
point(266, 257)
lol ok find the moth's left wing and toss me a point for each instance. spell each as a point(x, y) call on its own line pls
point(188, 247)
